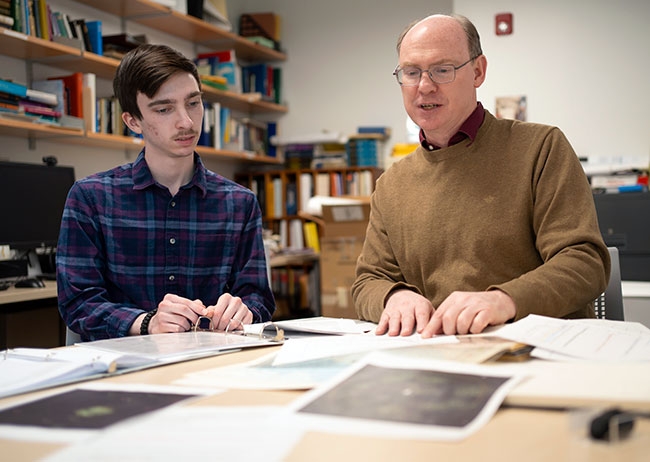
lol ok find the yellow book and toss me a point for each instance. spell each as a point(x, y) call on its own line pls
point(310, 229)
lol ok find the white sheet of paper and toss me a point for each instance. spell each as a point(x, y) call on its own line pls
point(255, 433)
point(575, 337)
point(261, 374)
point(307, 349)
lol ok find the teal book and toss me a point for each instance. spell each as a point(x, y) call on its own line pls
point(95, 36)
point(13, 88)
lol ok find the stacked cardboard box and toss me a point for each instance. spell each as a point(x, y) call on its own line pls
point(343, 233)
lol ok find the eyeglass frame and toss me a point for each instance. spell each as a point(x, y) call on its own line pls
point(428, 72)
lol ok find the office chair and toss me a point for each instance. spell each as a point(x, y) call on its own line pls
point(71, 337)
point(610, 303)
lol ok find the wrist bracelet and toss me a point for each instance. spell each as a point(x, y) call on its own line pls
point(144, 327)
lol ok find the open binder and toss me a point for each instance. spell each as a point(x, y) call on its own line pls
point(28, 369)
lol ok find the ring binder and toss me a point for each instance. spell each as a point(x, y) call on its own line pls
point(268, 331)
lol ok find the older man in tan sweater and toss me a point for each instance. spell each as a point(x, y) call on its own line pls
point(488, 220)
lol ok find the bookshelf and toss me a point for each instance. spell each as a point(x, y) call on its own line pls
point(283, 194)
point(34, 50)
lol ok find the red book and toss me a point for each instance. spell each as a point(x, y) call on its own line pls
point(73, 85)
point(222, 56)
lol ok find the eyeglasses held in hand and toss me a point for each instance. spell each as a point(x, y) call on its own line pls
point(409, 76)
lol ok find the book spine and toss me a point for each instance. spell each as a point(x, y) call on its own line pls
point(95, 36)
point(13, 88)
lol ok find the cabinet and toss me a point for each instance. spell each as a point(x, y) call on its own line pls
point(34, 50)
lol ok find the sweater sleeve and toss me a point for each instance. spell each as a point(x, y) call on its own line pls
point(377, 271)
point(576, 262)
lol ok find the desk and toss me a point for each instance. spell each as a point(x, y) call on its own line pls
point(516, 434)
point(30, 317)
point(636, 301)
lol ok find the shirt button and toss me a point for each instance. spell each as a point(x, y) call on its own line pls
point(172, 241)
point(171, 278)
point(173, 204)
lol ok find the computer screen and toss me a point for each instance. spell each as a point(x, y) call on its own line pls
point(32, 197)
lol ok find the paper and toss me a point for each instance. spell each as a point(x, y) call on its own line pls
point(579, 383)
point(81, 412)
point(577, 338)
point(325, 325)
point(245, 433)
point(261, 374)
point(389, 397)
point(307, 349)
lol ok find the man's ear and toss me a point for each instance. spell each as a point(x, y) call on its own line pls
point(132, 122)
point(480, 67)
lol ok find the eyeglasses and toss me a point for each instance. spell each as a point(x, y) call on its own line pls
point(410, 76)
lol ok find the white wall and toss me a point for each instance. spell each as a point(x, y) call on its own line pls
point(341, 55)
point(582, 65)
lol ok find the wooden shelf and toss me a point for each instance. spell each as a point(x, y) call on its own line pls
point(186, 27)
point(15, 127)
point(73, 59)
point(250, 103)
point(34, 49)
point(206, 151)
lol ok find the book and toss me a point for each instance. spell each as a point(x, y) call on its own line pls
point(89, 101)
point(13, 88)
point(73, 85)
point(42, 19)
point(41, 96)
point(53, 87)
point(81, 29)
point(95, 36)
point(6, 20)
point(312, 241)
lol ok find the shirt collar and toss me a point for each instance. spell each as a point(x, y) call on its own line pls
point(143, 178)
point(468, 129)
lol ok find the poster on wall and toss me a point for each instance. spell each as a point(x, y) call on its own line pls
point(511, 107)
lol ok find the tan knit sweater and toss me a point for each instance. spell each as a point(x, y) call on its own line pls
point(513, 210)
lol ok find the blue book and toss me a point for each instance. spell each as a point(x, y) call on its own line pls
point(95, 36)
point(13, 88)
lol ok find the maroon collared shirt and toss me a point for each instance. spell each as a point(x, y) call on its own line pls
point(468, 129)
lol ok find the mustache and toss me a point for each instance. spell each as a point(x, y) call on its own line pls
point(186, 133)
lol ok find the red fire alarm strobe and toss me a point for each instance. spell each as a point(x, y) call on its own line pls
point(503, 23)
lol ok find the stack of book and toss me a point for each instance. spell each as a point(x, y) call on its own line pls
point(17, 99)
point(6, 18)
point(261, 28)
point(222, 64)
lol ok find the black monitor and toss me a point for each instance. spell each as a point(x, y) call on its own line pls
point(624, 221)
point(32, 197)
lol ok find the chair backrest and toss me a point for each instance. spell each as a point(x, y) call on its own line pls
point(610, 303)
point(71, 337)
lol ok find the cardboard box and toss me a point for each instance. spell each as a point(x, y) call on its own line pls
point(346, 220)
point(343, 232)
point(338, 265)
